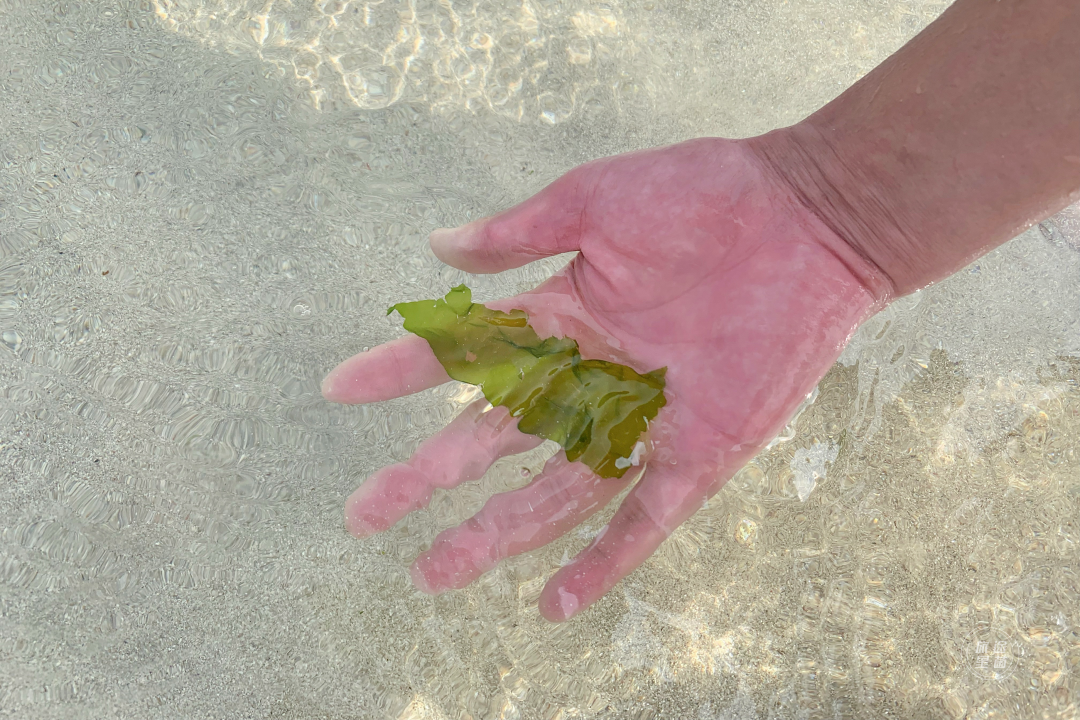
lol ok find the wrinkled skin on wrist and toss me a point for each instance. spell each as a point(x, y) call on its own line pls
point(695, 257)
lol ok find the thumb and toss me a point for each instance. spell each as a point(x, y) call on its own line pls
point(546, 224)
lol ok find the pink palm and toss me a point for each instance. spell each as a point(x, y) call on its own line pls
point(693, 257)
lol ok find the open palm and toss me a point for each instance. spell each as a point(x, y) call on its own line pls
point(694, 257)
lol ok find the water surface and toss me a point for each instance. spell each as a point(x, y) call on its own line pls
point(204, 206)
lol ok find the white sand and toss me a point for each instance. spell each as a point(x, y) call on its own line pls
point(203, 207)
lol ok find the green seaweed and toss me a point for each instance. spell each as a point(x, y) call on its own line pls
point(596, 410)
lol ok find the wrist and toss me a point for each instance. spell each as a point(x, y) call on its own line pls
point(956, 143)
point(849, 201)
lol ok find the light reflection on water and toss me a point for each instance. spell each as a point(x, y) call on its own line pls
point(204, 206)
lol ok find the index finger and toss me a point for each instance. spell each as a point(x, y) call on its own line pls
point(400, 367)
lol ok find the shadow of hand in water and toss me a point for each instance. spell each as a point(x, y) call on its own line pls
point(692, 257)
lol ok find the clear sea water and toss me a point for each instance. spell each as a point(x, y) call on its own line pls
point(204, 206)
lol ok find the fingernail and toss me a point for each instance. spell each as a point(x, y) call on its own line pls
point(444, 241)
point(419, 573)
point(443, 235)
point(357, 522)
point(560, 605)
point(327, 387)
point(338, 389)
point(568, 604)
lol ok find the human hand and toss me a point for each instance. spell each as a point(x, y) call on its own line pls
point(696, 257)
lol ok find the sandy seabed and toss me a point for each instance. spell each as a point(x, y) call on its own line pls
point(205, 206)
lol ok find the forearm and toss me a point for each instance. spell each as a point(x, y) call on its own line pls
point(963, 138)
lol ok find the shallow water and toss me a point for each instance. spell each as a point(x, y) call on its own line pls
point(205, 206)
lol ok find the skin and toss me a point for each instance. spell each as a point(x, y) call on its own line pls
point(743, 266)
point(961, 140)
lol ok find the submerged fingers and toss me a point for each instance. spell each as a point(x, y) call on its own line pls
point(461, 452)
point(650, 512)
point(560, 498)
point(557, 500)
point(400, 367)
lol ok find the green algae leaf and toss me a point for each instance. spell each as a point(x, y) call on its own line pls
point(597, 410)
